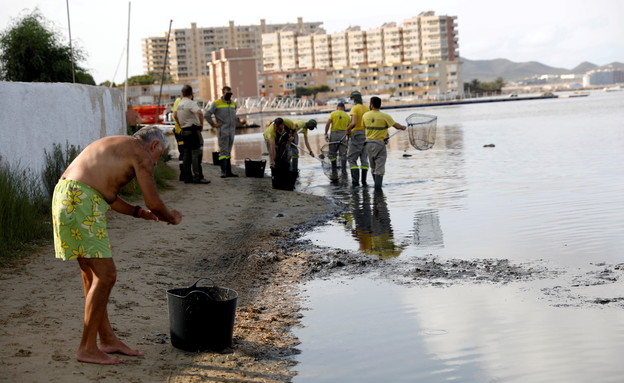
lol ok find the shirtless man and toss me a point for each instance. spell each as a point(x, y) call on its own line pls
point(86, 190)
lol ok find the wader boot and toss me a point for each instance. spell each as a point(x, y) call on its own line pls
point(223, 163)
point(355, 177)
point(364, 173)
point(378, 182)
point(228, 169)
point(334, 171)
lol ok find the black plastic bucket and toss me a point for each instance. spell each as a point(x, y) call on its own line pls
point(254, 168)
point(215, 159)
point(201, 318)
point(283, 179)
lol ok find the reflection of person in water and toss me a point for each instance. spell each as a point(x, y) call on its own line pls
point(373, 229)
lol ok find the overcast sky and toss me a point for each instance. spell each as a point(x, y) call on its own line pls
point(559, 33)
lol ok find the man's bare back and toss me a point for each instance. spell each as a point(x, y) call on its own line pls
point(111, 162)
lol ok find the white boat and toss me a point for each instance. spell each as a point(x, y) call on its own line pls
point(613, 89)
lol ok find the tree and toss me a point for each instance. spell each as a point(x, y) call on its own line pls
point(310, 91)
point(477, 87)
point(31, 51)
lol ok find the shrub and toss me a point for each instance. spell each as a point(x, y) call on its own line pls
point(55, 164)
point(24, 212)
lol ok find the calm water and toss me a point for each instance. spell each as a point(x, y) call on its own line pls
point(551, 189)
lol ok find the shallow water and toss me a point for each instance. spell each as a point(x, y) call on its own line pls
point(550, 191)
point(363, 330)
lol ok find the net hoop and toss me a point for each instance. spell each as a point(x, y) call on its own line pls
point(422, 130)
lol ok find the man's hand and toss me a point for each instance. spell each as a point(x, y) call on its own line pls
point(326, 137)
point(177, 217)
point(148, 215)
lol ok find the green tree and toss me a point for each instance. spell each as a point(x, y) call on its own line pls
point(310, 91)
point(31, 51)
point(478, 87)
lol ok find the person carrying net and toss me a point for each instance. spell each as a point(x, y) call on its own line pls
point(377, 124)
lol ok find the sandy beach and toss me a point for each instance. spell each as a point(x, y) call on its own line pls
point(235, 231)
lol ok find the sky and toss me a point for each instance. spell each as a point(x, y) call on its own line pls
point(558, 33)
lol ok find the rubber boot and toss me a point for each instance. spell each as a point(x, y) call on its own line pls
point(355, 177)
point(378, 182)
point(201, 168)
point(228, 168)
point(364, 173)
point(223, 168)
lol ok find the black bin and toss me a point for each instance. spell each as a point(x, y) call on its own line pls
point(201, 318)
point(215, 159)
point(254, 168)
point(283, 178)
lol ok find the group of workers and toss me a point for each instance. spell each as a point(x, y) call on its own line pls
point(358, 138)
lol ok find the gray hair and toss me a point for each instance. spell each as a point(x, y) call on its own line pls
point(149, 134)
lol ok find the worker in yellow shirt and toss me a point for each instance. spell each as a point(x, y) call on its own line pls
point(357, 137)
point(301, 127)
point(377, 124)
point(279, 132)
point(337, 122)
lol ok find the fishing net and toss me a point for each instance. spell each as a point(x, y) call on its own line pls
point(422, 130)
point(333, 157)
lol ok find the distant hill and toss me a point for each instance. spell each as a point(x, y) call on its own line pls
point(489, 70)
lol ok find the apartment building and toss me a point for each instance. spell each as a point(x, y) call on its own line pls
point(190, 49)
point(235, 68)
point(419, 58)
point(283, 83)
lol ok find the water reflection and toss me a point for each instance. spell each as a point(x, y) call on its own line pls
point(372, 227)
point(427, 230)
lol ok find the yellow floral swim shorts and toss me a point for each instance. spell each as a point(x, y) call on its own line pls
point(79, 221)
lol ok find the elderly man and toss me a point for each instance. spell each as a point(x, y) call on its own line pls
point(87, 189)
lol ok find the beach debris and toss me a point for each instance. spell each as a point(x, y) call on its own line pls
point(489, 146)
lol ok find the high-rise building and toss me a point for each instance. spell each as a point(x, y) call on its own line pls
point(425, 37)
point(418, 58)
point(190, 49)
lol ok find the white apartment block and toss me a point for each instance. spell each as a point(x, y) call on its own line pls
point(419, 58)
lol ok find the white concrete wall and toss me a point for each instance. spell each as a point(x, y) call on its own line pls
point(34, 116)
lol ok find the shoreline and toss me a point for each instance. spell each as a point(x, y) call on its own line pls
point(237, 231)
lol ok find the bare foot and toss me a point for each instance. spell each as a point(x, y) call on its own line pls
point(97, 357)
point(119, 347)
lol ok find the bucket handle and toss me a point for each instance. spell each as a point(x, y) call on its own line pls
point(194, 285)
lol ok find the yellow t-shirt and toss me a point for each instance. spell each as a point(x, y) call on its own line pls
point(271, 134)
point(300, 125)
point(340, 120)
point(377, 124)
point(358, 110)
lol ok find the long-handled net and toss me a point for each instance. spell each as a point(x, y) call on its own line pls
point(422, 130)
point(333, 157)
